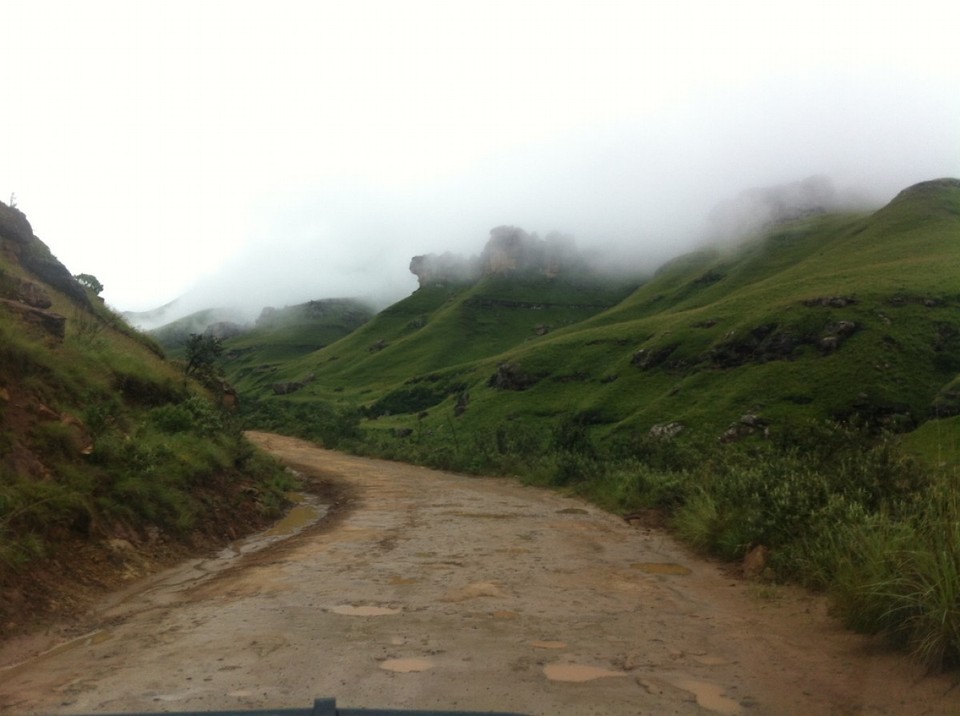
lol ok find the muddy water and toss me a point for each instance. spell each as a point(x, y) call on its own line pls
point(306, 510)
point(438, 591)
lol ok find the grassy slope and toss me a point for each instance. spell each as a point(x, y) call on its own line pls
point(726, 314)
point(254, 357)
point(100, 437)
point(445, 330)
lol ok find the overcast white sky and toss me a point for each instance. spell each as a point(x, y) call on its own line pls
point(278, 151)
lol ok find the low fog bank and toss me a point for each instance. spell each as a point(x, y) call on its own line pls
point(632, 194)
point(760, 208)
point(379, 248)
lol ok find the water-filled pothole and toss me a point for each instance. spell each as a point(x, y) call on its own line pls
point(307, 510)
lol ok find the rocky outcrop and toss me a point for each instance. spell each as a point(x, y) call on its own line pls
point(292, 386)
point(33, 295)
point(510, 376)
point(51, 323)
point(17, 236)
point(748, 424)
point(431, 269)
point(509, 249)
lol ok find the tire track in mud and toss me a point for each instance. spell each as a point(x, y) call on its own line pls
point(429, 590)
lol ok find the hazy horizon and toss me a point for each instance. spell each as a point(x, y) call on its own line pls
point(252, 153)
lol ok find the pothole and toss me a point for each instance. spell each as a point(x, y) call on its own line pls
point(351, 610)
point(406, 666)
point(578, 673)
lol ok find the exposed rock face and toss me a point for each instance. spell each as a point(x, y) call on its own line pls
point(510, 376)
point(748, 424)
point(32, 294)
point(443, 268)
point(666, 431)
point(17, 235)
point(508, 249)
point(292, 386)
point(53, 323)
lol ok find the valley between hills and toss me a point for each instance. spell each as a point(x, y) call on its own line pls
point(786, 406)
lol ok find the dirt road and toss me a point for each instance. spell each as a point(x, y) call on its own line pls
point(428, 590)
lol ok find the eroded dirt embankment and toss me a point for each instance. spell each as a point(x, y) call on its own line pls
point(430, 590)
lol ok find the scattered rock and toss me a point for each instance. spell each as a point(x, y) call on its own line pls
point(647, 359)
point(831, 301)
point(463, 401)
point(286, 388)
point(289, 387)
point(755, 562)
point(829, 344)
point(748, 424)
point(666, 431)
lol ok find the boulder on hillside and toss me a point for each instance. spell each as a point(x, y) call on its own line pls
point(510, 376)
point(52, 323)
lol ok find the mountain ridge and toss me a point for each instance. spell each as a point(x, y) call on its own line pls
point(805, 307)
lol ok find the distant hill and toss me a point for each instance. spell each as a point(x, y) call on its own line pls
point(846, 316)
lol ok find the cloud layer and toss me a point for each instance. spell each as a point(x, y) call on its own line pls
point(277, 152)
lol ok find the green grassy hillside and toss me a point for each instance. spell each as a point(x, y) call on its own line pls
point(847, 317)
point(100, 437)
point(281, 336)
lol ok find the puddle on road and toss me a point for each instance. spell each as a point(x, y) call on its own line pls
point(307, 510)
point(350, 610)
point(297, 518)
point(709, 696)
point(578, 673)
point(661, 568)
point(406, 666)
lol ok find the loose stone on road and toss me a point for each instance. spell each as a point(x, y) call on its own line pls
point(429, 590)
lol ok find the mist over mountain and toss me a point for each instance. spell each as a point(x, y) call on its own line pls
point(758, 209)
point(309, 265)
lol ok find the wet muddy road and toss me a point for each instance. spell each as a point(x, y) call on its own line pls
point(427, 590)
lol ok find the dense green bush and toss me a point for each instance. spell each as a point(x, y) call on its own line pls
point(326, 424)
